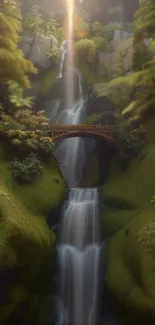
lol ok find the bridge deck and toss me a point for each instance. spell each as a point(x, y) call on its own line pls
point(61, 131)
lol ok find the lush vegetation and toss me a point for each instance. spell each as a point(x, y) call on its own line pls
point(141, 81)
point(13, 65)
point(37, 21)
point(27, 166)
point(31, 185)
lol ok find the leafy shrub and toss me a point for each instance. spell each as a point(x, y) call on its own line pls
point(86, 50)
point(27, 170)
point(101, 43)
point(46, 147)
point(129, 142)
point(54, 55)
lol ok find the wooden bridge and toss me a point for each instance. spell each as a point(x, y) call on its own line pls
point(62, 131)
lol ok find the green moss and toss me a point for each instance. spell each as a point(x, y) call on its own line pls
point(48, 81)
point(132, 278)
point(43, 194)
point(91, 77)
point(128, 221)
point(92, 119)
point(25, 238)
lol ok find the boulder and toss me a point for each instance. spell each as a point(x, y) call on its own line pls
point(35, 48)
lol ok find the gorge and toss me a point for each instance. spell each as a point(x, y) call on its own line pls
point(77, 158)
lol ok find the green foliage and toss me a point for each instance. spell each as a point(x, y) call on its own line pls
point(54, 55)
point(86, 51)
point(108, 31)
point(147, 235)
point(92, 119)
point(27, 131)
point(16, 96)
point(145, 21)
point(130, 233)
point(129, 27)
point(141, 82)
point(129, 142)
point(101, 43)
point(33, 22)
point(140, 56)
point(59, 34)
point(36, 22)
point(97, 29)
point(104, 31)
point(119, 70)
point(48, 81)
point(13, 65)
point(80, 28)
point(26, 171)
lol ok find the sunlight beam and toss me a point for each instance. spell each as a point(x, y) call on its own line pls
point(70, 59)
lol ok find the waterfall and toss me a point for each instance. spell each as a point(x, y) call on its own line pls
point(71, 151)
point(79, 257)
point(79, 246)
point(63, 51)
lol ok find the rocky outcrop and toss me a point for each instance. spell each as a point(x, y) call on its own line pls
point(35, 48)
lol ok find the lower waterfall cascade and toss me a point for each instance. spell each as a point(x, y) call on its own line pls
point(79, 259)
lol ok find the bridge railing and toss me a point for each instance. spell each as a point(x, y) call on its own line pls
point(56, 127)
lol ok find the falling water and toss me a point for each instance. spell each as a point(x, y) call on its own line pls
point(79, 247)
point(63, 51)
point(79, 257)
point(71, 151)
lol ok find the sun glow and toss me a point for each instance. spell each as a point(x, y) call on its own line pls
point(70, 59)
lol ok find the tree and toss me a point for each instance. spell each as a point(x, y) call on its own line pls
point(54, 55)
point(37, 22)
point(33, 21)
point(86, 51)
point(142, 82)
point(13, 65)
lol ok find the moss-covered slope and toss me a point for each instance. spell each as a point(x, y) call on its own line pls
point(129, 224)
point(26, 240)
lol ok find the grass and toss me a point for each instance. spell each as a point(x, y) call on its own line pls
point(40, 196)
point(43, 194)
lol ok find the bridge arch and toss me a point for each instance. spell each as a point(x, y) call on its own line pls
point(83, 135)
point(101, 132)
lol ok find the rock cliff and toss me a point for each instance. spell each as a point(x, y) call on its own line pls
point(36, 47)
